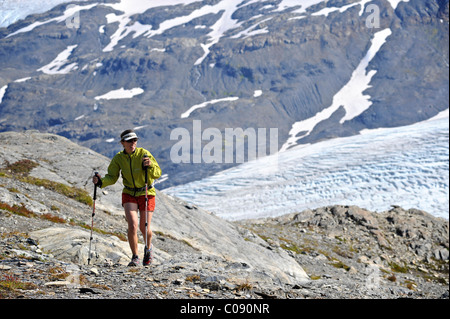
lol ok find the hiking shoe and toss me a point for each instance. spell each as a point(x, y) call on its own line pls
point(134, 261)
point(148, 256)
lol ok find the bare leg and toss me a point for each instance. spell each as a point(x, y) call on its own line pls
point(131, 215)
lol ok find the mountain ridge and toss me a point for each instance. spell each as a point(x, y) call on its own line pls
point(298, 59)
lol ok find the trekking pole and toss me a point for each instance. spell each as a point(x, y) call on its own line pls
point(146, 213)
point(92, 221)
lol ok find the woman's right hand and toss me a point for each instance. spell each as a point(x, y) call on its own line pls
point(96, 178)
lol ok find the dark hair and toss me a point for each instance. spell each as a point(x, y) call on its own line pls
point(125, 133)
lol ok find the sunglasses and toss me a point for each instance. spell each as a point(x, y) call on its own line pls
point(134, 140)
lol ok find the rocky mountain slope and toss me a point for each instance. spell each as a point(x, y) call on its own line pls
point(31, 185)
point(90, 70)
point(333, 252)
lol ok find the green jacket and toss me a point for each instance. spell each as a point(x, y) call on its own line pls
point(133, 174)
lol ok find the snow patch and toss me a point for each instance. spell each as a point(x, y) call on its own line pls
point(59, 64)
point(326, 11)
point(350, 96)
point(120, 94)
point(257, 93)
point(222, 25)
point(204, 104)
point(158, 50)
point(132, 7)
point(2, 92)
point(69, 12)
point(395, 3)
point(249, 32)
point(23, 80)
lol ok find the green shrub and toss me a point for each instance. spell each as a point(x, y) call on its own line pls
point(22, 168)
point(69, 191)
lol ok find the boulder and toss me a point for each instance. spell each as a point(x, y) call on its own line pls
point(219, 237)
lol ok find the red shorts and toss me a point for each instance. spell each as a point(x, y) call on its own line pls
point(140, 200)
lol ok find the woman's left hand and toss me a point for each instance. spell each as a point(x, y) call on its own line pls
point(146, 162)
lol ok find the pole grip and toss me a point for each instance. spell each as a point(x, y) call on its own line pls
point(95, 186)
point(145, 168)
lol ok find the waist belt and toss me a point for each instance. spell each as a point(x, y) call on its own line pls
point(138, 189)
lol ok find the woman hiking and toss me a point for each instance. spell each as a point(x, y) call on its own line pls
point(132, 163)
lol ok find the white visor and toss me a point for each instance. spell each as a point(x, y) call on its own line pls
point(129, 136)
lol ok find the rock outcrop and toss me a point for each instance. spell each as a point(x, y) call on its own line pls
point(60, 161)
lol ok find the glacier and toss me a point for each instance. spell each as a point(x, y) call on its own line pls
point(12, 10)
point(405, 166)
